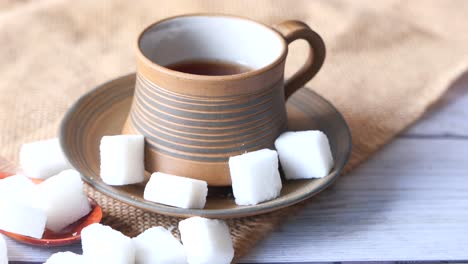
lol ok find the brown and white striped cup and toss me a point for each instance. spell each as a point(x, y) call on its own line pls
point(194, 123)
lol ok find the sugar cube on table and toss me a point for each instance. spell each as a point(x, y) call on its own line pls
point(122, 159)
point(3, 251)
point(206, 241)
point(65, 258)
point(102, 244)
point(42, 159)
point(22, 219)
point(255, 177)
point(304, 154)
point(176, 191)
point(17, 188)
point(158, 246)
point(63, 199)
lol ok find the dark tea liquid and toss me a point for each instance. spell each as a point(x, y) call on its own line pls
point(209, 67)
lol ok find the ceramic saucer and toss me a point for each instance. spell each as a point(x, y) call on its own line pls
point(103, 111)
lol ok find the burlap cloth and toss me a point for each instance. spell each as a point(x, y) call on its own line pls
point(387, 62)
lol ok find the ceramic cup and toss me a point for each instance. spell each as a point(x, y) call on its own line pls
point(194, 123)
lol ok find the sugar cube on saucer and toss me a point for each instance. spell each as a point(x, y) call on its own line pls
point(102, 244)
point(3, 251)
point(176, 191)
point(255, 176)
point(62, 198)
point(304, 154)
point(122, 159)
point(17, 188)
point(42, 159)
point(206, 240)
point(22, 219)
point(158, 245)
point(65, 258)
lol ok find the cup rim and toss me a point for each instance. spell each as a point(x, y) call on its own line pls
point(195, 77)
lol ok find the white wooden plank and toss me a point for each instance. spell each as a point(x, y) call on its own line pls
point(409, 202)
point(449, 117)
point(21, 252)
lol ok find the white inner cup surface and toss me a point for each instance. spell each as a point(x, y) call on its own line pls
point(227, 39)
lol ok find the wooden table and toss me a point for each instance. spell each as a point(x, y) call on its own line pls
point(408, 203)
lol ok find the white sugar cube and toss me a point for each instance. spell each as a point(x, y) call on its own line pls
point(42, 159)
point(122, 159)
point(255, 177)
point(102, 244)
point(176, 191)
point(62, 198)
point(206, 241)
point(22, 219)
point(304, 154)
point(17, 188)
point(158, 246)
point(65, 258)
point(3, 251)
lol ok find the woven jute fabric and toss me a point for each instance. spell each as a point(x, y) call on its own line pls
point(387, 62)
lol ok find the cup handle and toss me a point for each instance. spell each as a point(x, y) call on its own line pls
point(291, 31)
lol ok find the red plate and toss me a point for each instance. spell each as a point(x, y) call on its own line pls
point(69, 235)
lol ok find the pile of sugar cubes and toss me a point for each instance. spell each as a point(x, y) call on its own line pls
point(59, 200)
point(255, 175)
point(55, 203)
point(203, 241)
